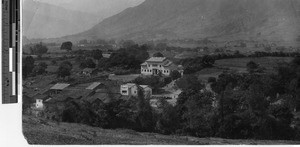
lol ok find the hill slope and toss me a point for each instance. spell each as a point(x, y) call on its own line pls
point(160, 19)
point(40, 131)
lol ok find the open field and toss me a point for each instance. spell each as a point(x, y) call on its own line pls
point(239, 64)
point(41, 131)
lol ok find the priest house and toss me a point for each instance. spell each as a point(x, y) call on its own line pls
point(157, 65)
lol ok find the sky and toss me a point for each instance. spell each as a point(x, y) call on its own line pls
point(109, 7)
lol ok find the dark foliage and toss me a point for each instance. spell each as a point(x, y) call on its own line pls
point(66, 46)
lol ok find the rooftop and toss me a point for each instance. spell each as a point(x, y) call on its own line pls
point(144, 86)
point(60, 86)
point(129, 84)
point(156, 59)
point(93, 86)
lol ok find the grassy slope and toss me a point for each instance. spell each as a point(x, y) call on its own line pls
point(39, 131)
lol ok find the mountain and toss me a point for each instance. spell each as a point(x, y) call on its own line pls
point(42, 20)
point(221, 19)
point(101, 8)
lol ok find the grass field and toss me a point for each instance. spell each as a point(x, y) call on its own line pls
point(44, 132)
point(239, 65)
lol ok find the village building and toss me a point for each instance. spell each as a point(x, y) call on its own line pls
point(57, 88)
point(94, 86)
point(89, 72)
point(131, 89)
point(159, 65)
point(39, 99)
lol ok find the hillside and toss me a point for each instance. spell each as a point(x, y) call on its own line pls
point(276, 20)
point(40, 131)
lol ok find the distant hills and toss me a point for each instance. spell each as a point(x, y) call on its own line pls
point(195, 19)
point(57, 18)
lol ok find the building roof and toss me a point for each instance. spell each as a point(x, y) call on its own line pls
point(156, 59)
point(41, 97)
point(52, 69)
point(168, 63)
point(145, 86)
point(129, 84)
point(144, 64)
point(104, 97)
point(60, 86)
point(93, 86)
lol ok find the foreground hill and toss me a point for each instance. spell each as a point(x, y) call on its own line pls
point(40, 131)
point(223, 19)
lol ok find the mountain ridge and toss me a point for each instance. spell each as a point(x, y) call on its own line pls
point(275, 20)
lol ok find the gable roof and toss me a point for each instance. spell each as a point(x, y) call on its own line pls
point(93, 86)
point(156, 59)
point(60, 86)
point(145, 86)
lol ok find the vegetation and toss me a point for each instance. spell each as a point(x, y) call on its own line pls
point(66, 46)
point(28, 65)
point(244, 106)
point(38, 49)
point(158, 54)
point(64, 69)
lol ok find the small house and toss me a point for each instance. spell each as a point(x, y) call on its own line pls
point(131, 89)
point(39, 99)
point(57, 88)
point(88, 71)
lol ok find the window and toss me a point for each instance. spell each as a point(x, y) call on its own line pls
point(124, 91)
point(150, 70)
point(167, 71)
point(159, 65)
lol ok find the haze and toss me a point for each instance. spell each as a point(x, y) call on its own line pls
point(105, 8)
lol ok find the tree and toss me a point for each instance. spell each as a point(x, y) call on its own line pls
point(127, 43)
point(64, 69)
point(175, 75)
point(189, 82)
point(169, 120)
point(158, 54)
point(211, 80)
point(88, 63)
point(144, 116)
point(53, 62)
point(66, 46)
point(252, 66)
point(97, 54)
point(40, 68)
point(38, 49)
point(28, 65)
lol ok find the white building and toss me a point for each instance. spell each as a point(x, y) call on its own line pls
point(156, 65)
point(39, 99)
point(131, 89)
